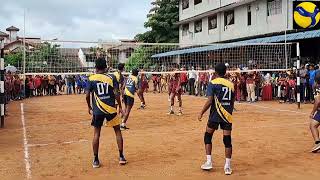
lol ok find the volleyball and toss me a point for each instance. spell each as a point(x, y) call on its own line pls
point(307, 15)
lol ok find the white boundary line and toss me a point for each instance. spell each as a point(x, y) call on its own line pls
point(25, 144)
point(61, 143)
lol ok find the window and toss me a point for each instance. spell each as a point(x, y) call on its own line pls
point(228, 18)
point(185, 29)
point(185, 4)
point(128, 54)
point(197, 2)
point(212, 22)
point(198, 26)
point(249, 15)
point(274, 7)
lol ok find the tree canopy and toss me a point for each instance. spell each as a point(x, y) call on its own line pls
point(161, 22)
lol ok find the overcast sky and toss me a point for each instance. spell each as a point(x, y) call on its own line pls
point(89, 20)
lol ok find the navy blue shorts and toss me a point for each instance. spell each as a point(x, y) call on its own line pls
point(127, 100)
point(316, 117)
point(112, 120)
point(222, 125)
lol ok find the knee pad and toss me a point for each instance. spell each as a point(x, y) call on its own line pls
point(227, 141)
point(208, 138)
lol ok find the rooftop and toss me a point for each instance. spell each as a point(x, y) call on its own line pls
point(12, 28)
point(2, 34)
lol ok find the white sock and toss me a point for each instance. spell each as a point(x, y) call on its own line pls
point(171, 108)
point(228, 163)
point(209, 158)
point(123, 124)
point(180, 108)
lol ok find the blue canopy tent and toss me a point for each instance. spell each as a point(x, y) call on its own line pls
point(265, 40)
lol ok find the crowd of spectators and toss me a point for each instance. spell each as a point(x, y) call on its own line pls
point(46, 85)
point(249, 86)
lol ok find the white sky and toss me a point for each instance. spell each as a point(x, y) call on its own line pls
point(88, 20)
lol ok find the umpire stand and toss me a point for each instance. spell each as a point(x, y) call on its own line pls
point(2, 90)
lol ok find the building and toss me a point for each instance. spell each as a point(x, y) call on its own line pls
point(121, 51)
point(14, 43)
point(206, 22)
point(210, 21)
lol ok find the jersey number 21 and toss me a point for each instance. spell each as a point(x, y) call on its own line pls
point(227, 94)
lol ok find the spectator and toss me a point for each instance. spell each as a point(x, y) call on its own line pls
point(192, 79)
point(184, 80)
point(69, 84)
point(52, 85)
point(267, 88)
point(303, 74)
point(31, 86)
point(16, 88)
point(37, 83)
point(312, 74)
point(251, 88)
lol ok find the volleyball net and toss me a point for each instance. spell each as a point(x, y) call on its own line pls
point(78, 57)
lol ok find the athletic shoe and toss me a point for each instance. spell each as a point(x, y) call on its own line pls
point(96, 163)
point(206, 166)
point(227, 171)
point(179, 113)
point(122, 161)
point(316, 148)
point(170, 113)
point(142, 106)
point(123, 127)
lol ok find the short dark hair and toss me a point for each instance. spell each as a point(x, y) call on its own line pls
point(221, 69)
point(101, 63)
point(121, 66)
point(135, 72)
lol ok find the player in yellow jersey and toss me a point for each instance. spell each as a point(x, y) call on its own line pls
point(131, 87)
point(103, 90)
point(221, 98)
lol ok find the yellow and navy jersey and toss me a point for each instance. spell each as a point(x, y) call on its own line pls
point(131, 86)
point(102, 88)
point(222, 91)
point(116, 82)
point(119, 77)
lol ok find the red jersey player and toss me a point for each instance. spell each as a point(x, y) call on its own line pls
point(175, 90)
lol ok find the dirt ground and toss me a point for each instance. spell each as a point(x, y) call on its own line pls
point(270, 140)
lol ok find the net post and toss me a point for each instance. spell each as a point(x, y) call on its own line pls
point(2, 90)
point(298, 77)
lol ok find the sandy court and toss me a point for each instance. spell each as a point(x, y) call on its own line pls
point(270, 140)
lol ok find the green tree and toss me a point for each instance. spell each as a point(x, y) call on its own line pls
point(140, 59)
point(44, 55)
point(14, 59)
point(161, 22)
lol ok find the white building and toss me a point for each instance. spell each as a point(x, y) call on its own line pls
point(209, 21)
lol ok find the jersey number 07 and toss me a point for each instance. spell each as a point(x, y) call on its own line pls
point(102, 88)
